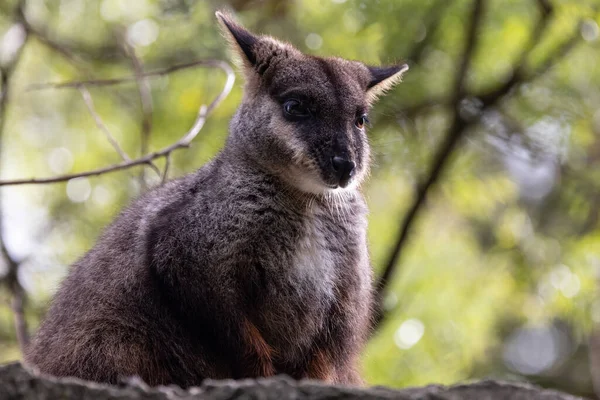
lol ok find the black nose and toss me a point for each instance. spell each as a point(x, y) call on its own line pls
point(343, 169)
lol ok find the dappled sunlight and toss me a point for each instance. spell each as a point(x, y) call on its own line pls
point(485, 174)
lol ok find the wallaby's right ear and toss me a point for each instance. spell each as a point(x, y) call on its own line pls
point(383, 79)
point(241, 40)
point(256, 52)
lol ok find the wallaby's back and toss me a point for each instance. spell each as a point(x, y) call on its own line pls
point(254, 265)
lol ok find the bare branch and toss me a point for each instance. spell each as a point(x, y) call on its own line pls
point(146, 159)
point(145, 100)
point(146, 104)
point(18, 308)
point(57, 47)
point(183, 142)
point(128, 79)
point(460, 126)
point(154, 168)
point(74, 53)
point(87, 98)
point(11, 279)
point(165, 175)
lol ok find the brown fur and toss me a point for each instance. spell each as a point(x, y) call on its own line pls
point(259, 350)
point(254, 265)
point(321, 367)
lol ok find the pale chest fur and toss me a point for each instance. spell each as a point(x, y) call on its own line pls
point(332, 244)
point(314, 261)
point(328, 249)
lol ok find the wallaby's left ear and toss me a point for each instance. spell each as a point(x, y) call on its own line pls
point(383, 79)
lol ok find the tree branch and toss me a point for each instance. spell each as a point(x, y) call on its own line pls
point(165, 174)
point(128, 79)
point(146, 104)
point(439, 161)
point(74, 53)
point(460, 126)
point(87, 98)
point(183, 142)
point(518, 76)
point(11, 279)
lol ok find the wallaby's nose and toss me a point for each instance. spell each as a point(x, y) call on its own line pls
point(344, 169)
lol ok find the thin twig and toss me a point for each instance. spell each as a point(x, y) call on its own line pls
point(154, 168)
point(184, 141)
point(11, 279)
point(20, 18)
point(146, 104)
point(87, 98)
point(57, 47)
point(127, 79)
point(165, 175)
point(90, 105)
point(18, 309)
point(75, 54)
point(80, 58)
point(145, 100)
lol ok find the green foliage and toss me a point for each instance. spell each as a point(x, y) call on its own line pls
point(508, 239)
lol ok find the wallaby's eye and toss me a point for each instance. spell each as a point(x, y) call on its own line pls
point(361, 121)
point(295, 110)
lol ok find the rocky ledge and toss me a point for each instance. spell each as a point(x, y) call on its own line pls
point(17, 382)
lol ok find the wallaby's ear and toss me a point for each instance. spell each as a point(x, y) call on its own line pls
point(255, 51)
point(383, 79)
point(241, 39)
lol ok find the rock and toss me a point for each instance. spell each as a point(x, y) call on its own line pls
point(17, 382)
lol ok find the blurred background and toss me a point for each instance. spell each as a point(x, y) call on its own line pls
point(485, 190)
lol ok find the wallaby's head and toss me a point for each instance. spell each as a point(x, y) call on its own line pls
point(303, 118)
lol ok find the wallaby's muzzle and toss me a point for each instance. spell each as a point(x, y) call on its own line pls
point(343, 170)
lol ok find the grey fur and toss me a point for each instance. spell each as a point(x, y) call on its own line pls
point(251, 266)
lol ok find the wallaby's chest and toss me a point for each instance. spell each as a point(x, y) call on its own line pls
point(315, 260)
point(309, 280)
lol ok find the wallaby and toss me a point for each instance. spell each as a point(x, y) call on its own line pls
point(256, 264)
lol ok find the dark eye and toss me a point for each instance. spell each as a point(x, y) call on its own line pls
point(361, 121)
point(295, 110)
